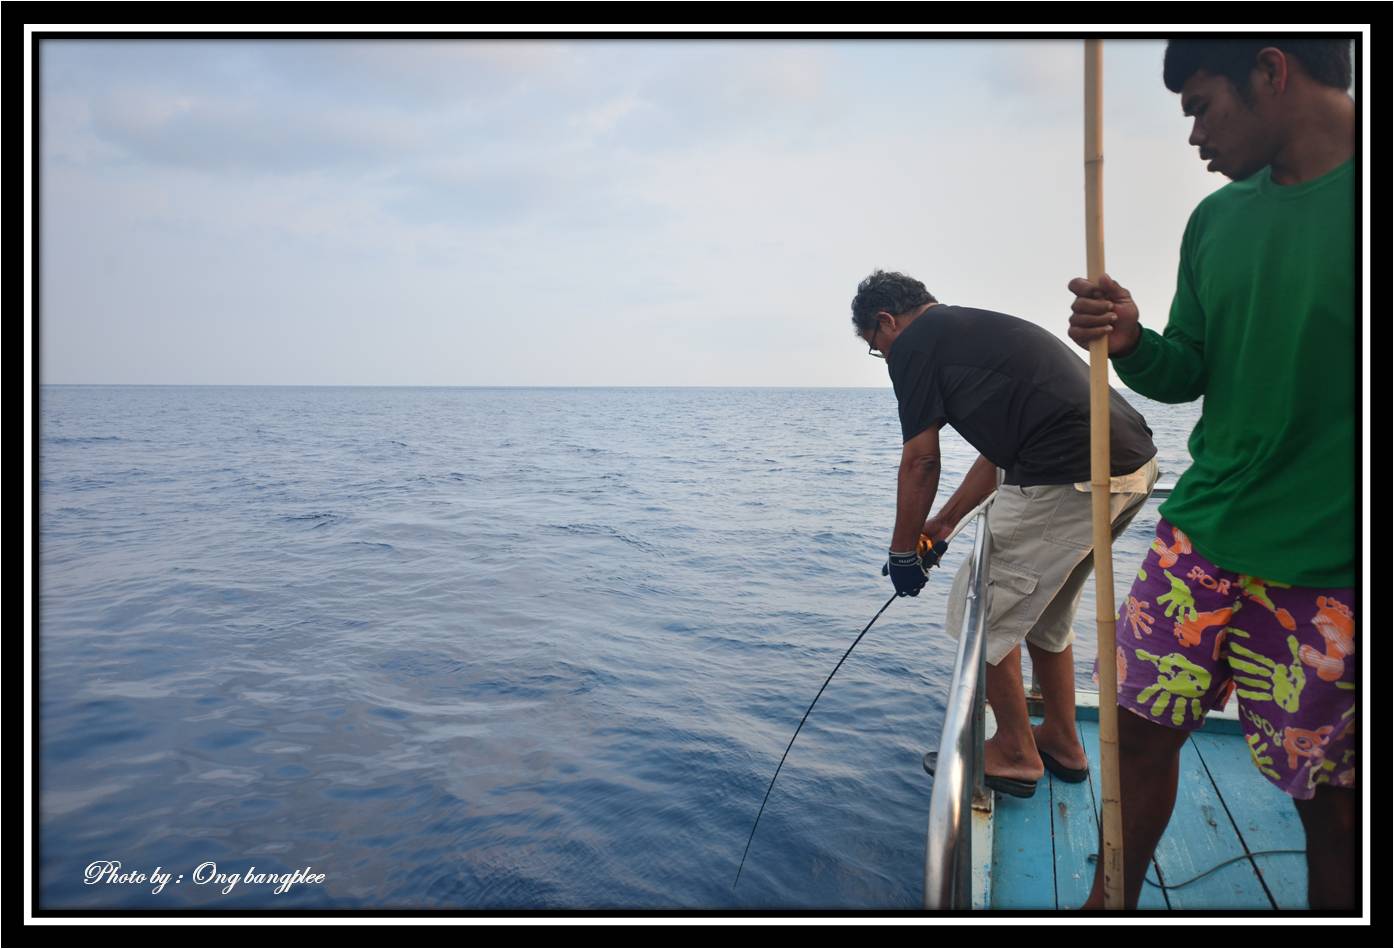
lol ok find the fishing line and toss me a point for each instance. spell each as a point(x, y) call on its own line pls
point(938, 549)
point(1094, 858)
point(796, 734)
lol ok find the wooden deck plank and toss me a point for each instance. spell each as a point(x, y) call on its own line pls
point(1076, 832)
point(1022, 871)
point(1200, 837)
point(1264, 815)
point(1151, 897)
point(1205, 832)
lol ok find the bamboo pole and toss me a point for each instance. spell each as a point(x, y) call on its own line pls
point(1112, 855)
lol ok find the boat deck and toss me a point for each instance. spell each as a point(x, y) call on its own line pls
point(1227, 816)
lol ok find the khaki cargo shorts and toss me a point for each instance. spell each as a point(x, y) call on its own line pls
point(1042, 546)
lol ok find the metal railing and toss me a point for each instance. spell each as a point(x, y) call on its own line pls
point(958, 771)
point(958, 768)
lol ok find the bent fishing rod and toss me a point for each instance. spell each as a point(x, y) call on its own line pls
point(925, 547)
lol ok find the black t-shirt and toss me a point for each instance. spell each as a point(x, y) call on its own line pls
point(1017, 394)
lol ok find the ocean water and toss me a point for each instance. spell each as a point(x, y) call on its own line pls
point(488, 648)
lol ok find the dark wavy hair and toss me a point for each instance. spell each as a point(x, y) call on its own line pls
point(886, 290)
point(1326, 61)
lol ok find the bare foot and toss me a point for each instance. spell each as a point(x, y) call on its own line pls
point(1001, 760)
point(1065, 749)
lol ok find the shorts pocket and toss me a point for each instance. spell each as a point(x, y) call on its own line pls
point(1071, 521)
point(1013, 589)
point(1034, 492)
point(1015, 578)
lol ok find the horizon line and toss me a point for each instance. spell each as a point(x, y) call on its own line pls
point(357, 385)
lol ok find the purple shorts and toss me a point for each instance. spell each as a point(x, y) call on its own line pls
point(1190, 634)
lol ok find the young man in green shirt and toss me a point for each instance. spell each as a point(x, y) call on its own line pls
point(1249, 586)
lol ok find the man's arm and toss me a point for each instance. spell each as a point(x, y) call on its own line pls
point(916, 485)
point(980, 481)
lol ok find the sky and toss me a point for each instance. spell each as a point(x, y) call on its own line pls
point(577, 212)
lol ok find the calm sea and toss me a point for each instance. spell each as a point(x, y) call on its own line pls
point(487, 648)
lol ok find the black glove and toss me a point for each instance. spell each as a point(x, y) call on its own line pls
point(906, 572)
point(909, 571)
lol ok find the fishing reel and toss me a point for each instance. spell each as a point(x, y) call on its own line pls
point(929, 552)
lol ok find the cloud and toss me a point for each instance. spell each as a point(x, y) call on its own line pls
point(688, 94)
point(596, 121)
point(421, 71)
point(655, 212)
point(238, 134)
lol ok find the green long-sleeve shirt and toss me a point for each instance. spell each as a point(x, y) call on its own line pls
point(1263, 328)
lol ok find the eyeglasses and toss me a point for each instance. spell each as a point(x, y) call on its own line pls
point(871, 348)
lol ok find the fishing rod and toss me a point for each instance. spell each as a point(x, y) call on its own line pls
point(926, 548)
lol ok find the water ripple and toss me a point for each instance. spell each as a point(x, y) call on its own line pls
point(382, 632)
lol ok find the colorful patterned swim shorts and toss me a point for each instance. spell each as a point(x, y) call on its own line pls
point(1191, 633)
